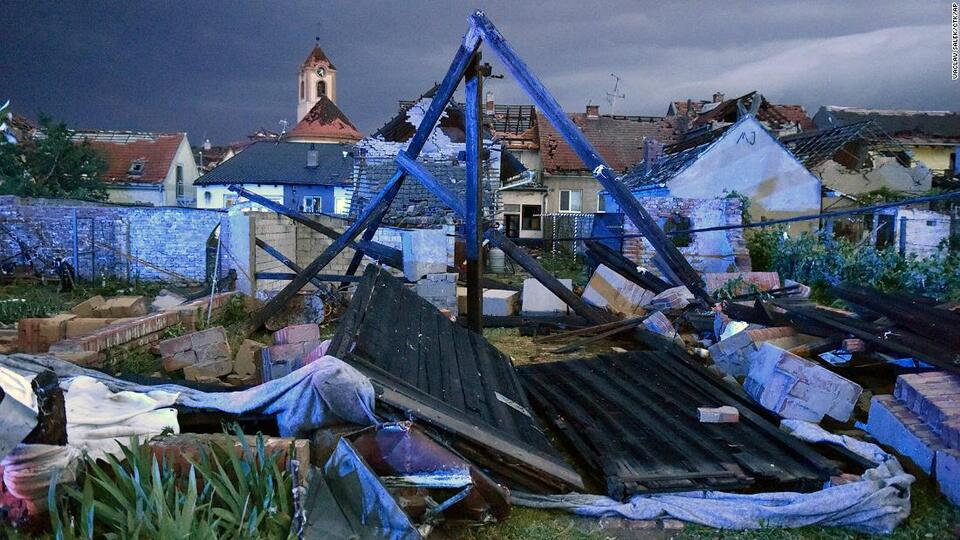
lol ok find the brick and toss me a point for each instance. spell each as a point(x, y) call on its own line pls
point(172, 346)
point(297, 333)
point(122, 306)
point(894, 425)
point(214, 352)
point(208, 370)
point(718, 415)
point(179, 360)
point(81, 326)
point(199, 340)
point(87, 307)
point(244, 363)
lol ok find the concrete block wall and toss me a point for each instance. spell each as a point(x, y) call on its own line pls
point(302, 245)
point(715, 251)
point(171, 238)
point(926, 229)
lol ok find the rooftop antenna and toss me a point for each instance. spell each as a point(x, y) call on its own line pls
point(283, 130)
point(616, 94)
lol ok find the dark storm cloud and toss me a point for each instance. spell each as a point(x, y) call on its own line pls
point(223, 69)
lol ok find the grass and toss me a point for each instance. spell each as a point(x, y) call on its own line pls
point(24, 299)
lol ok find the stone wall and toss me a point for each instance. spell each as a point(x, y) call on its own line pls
point(715, 251)
point(170, 238)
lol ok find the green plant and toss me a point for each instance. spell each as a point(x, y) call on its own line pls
point(119, 360)
point(226, 494)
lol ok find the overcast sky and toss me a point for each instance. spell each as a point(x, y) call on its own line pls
point(221, 70)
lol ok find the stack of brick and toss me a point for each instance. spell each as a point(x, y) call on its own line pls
point(796, 388)
point(440, 290)
point(203, 356)
point(921, 421)
point(292, 349)
point(121, 306)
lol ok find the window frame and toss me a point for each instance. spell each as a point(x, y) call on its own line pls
point(569, 209)
point(318, 199)
point(538, 217)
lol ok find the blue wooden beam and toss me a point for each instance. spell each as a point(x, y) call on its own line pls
point(473, 201)
point(275, 253)
point(287, 276)
point(392, 257)
point(549, 107)
point(416, 170)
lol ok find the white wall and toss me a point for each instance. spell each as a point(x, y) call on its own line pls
point(218, 192)
point(748, 160)
point(184, 158)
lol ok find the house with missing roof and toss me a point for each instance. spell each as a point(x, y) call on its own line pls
point(155, 169)
point(931, 137)
point(313, 178)
point(742, 158)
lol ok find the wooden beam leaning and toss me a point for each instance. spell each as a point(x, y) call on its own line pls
point(373, 214)
point(392, 257)
point(473, 201)
point(287, 276)
point(593, 161)
point(469, 46)
point(579, 306)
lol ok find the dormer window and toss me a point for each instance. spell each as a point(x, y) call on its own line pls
point(136, 167)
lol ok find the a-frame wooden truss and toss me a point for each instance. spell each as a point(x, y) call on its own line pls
point(466, 66)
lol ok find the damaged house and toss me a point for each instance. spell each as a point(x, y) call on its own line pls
point(693, 118)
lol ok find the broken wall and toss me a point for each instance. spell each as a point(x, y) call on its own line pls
point(925, 230)
point(886, 173)
point(714, 251)
point(171, 238)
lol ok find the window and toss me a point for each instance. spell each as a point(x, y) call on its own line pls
point(321, 89)
point(530, 217)
point(601, 204)
point(136, 167)
point(676, 222)
point(341, 206)
point(179, 180)
point(311, 205)
point(207, 196)
point(570, 200)
point(301, 89)
point(229, 200)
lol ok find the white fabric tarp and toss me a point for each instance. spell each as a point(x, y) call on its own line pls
point(876, 503)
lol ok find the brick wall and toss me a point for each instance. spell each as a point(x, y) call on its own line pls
point(716, 251)
point(167, 237)
point(926, 230)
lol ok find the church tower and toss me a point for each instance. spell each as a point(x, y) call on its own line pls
point(317, 78)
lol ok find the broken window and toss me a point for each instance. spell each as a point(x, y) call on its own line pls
point(570, 200)
point(311, 205)
point(677, 222)
point(136, 167)
point(530, 217)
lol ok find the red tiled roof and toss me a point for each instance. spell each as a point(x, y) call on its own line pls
point(796, 114)
point(326, 121)
point(317, 57)
point(619, 140)
point(121, 149)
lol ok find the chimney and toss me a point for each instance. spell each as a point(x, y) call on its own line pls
point(313, 156)
point(491, 106)
point(593, 111)
point(717, 97)
point(652, 150)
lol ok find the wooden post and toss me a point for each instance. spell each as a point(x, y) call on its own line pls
point(76, 245)
point(903, 236)
point(473, 202)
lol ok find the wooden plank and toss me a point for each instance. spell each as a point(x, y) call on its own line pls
point(549, 107)
point(588, 330)
point(591, 339)
point(625, 267)
point(473, 201)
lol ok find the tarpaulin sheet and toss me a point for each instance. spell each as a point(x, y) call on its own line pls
point(876, 503)
point(321, 393)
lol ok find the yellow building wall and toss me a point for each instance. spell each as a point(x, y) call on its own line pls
point(936, 158)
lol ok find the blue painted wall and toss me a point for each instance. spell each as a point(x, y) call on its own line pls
point(293, 195)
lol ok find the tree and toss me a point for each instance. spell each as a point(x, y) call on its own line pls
point(52, 165)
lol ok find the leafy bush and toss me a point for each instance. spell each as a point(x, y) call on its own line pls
point(808, 260)
point(237, 495)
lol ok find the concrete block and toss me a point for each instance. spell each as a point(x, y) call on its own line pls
point(424, 252)
point(608, 289)
point(297, 333)
point(675, 298)
point(87, 307)
point(732, 355)
point(796, 388)
point(896, 426)
point(718, 415)
point(947, 474)
point(244, 363)
point(214, 352)
point(658, 323)
point(500, 303)
point(538, 300)
point(208, 370)
point(199, 340)
point(122, 306)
